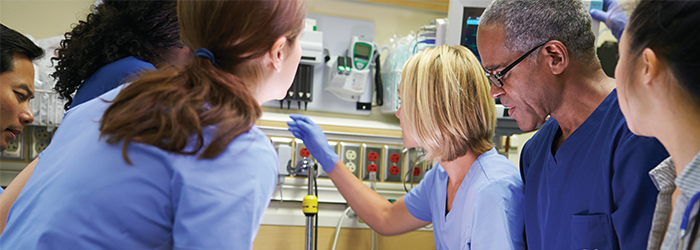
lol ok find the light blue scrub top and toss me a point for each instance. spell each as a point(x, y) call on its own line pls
point(487, 209)
point(82, 195)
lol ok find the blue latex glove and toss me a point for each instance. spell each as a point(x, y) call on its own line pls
point(314, 139)
point(614, 18)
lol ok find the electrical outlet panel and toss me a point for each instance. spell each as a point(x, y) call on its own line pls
point(371, 158)
point(393, 163)
point(299, 150)
point(415, 167)
point(283, 146)
point(350, 156)
point(40, 139)
point(15, 149)
point(299, 147)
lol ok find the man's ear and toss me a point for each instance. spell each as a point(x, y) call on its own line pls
point(557, 56)
point(277, 54)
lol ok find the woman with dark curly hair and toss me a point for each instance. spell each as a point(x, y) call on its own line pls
point(121, 38)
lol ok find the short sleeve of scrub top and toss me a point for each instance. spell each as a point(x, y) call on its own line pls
point(417, 200)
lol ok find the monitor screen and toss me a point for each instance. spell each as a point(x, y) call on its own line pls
point(362, 51)
point(470, 23)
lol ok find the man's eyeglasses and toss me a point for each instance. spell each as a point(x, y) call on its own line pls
point(495, 79)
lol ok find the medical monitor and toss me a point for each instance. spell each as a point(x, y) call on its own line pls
point(463, 21)
point(463, 17)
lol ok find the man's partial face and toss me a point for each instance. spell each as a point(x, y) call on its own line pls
point(16, 88)
point(523, 91)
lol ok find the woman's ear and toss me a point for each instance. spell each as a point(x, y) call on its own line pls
point(651, 66)
point(277, 54)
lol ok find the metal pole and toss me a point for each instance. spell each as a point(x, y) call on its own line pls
point(309, 218)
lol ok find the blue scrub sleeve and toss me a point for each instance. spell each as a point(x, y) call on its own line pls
point(633, 192)
point(525, 156)
point(220, 204)
point(417, 200)
point(1, 190)
point(498, 217)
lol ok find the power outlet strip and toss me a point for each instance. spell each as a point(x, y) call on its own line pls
point(393, 163)
point(369, 153)
point(40, 139)
point(298, 146)
point(415, 167)
point(350, 156)
point(15, 149)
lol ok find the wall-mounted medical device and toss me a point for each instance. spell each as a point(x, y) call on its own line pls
point(594, 5)
point(463, 17)
point(347, 77)
point(311, 42)
point(330, 38)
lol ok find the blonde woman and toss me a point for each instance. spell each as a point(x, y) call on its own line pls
point(473, 196)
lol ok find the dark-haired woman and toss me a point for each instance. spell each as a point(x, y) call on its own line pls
point(172, 160)
point(658, 82)
point(117, 41)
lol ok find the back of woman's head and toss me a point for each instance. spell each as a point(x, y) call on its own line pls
point(117, 29)
point(672, 30)
point(167, 107)
point(446, 104)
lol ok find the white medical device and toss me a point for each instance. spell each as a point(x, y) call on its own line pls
point(361, 53)
point(311, 42)
point(347, 77)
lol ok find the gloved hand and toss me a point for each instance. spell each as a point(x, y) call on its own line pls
point(614, 18)
point(314, 139)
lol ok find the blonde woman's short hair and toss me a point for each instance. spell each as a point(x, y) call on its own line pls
point(445, 103)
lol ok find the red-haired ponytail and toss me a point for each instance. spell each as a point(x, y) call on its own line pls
point(166, 108)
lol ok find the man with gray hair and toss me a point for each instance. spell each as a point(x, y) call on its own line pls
point(585, 173)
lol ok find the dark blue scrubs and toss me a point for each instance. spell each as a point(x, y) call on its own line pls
point(595, 192)
point(109, 77)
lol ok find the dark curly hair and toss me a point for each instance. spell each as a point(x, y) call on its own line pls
point(116, 29)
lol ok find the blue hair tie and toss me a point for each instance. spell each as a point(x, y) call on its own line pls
point(202, 52)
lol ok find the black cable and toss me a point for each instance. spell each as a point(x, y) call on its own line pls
point(378, 85)
point(405, 177)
